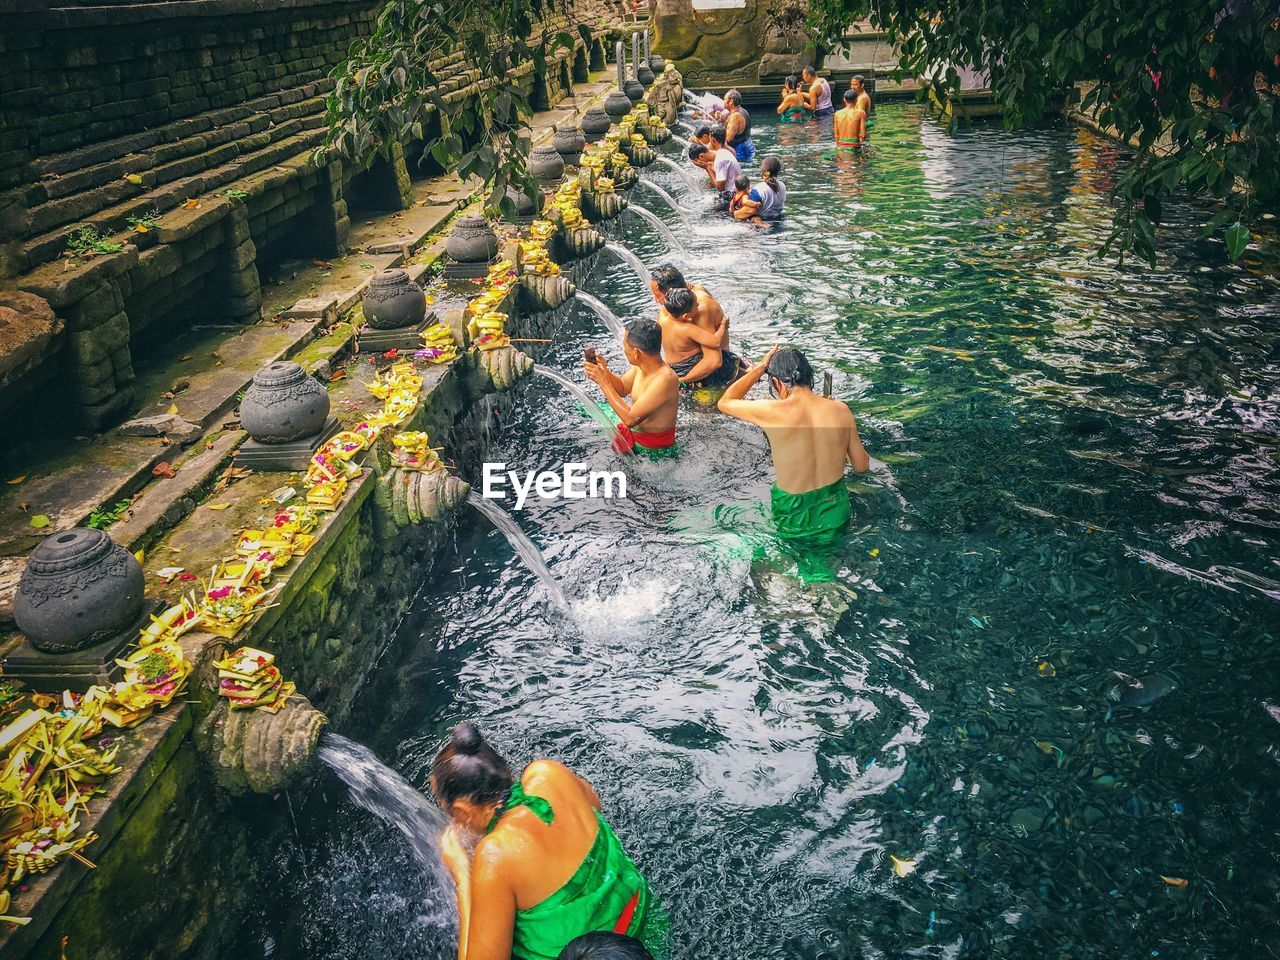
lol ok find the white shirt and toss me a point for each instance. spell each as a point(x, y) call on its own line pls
point(725, 168)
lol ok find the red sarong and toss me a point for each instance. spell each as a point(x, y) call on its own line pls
point(629, 911)
point(629, 439)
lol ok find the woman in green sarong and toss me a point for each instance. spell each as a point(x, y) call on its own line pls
point(794, 106)
point(546, 869)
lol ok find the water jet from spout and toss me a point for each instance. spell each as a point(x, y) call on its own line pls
point(522, 545)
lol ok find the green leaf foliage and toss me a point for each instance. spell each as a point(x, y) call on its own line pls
point(446, 75)
point(1191, 83)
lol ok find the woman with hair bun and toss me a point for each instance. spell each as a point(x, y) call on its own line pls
point(546, 867)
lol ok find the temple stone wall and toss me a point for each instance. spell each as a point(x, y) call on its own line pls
point(195, 120)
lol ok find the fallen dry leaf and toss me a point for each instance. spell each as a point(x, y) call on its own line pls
point(1178, 882)
point(24, 506)
point(219, 506)
point(173, 408)
point(40, 520)
point(16, 480)
point(168, 395)
point(187, 357)
point(164, 469)
point(192, 204)
point(336, 375)
point(133, 178)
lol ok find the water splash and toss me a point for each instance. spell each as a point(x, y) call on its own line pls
point(681, 140)
point(648, 217)
point(688, 177)
point(603, 312)
point(377, 788)
point(668, 198)
point(522, 545)
point(636, 264)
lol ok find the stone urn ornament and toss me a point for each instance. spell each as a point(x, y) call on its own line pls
point(596, 123)
point(524, 207)
point(284, 404)
point(633, 89)
point(618, 104)
point(472, 240)
point(545, 164)
point(393, 301)
point(656, 63)
point(569, 141)
point(639, 66)
point(79, 588)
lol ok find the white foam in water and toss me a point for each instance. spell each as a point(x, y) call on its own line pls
point(609, 607)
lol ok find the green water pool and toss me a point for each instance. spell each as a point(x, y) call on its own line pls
point(1082, 489)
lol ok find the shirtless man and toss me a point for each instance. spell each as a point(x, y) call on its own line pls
point(819, 93)
point(696, 341)
point(859, 86)
point(850, 124)
point(648, 422)
point(707, 312)
point(701, 359)
point(811, 439)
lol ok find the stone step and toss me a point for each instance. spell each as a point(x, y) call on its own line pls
point(165, 164)
point(114, 220)
point(107, 150)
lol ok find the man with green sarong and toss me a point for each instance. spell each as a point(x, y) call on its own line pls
point(811, 438)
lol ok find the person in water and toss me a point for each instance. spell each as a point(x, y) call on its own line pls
point(546, 868)
point(741, 187)
point(794, 106)
point(859, 86)
point(819, 93)
point(648, 422)
point(701, 156)
point(703, 331)
point(701, 363)
point(724, 167)
point(737, 128)
point(764, 201)
point(811, 438)
point(605, 946)
point(850, 124)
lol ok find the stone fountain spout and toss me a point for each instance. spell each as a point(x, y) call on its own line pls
point(421, 496)
point(256, 751)
point(500, 369)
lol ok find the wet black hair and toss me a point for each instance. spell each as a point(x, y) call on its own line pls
point(603, 945)
point(680, 301)
point(859, 77)
point(467, 768)
point(742, 182)
point(770, 167)
point(734, 97)
point(701, 130)
point(717, 133)
point(792, 81)
point(696, 150)
point(645, 335)
point(791, 367)
point(667, 277)
point(850, 96)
